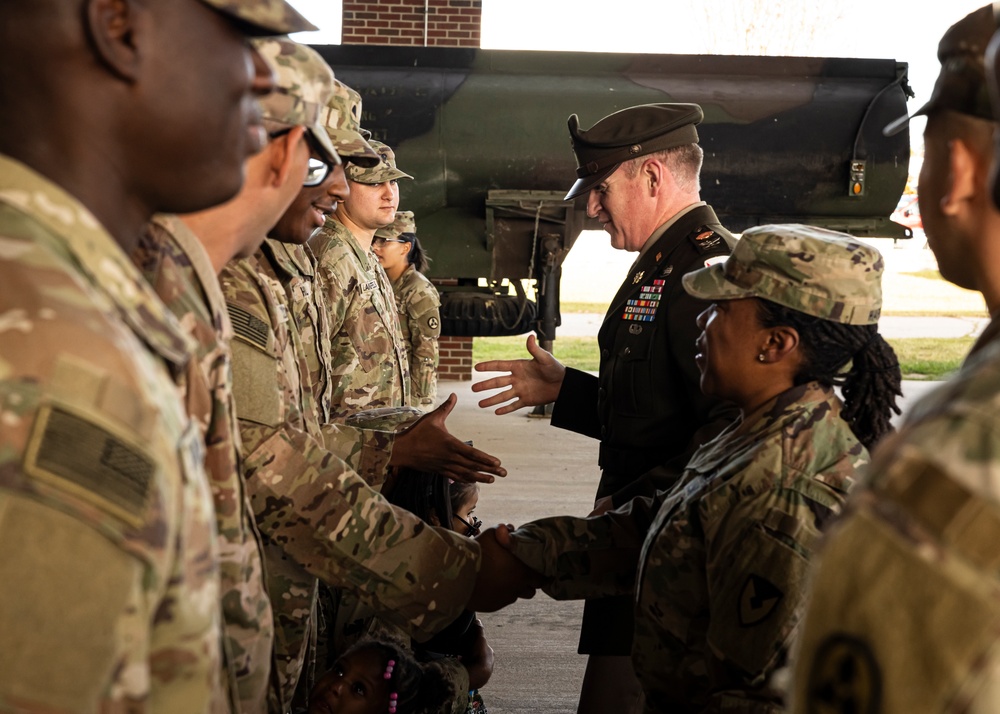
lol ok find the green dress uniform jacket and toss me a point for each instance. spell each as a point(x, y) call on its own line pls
point(320, 520)
point(905, 610)
point(419, 307)
point(646, 405)
point(108, 550)
point(175, 263)
point(718, 564)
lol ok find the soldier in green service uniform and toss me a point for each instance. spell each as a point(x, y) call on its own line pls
point(110, 111)
point(717, 565)
point(639, 169)
point(181, 257)
point(904, 606)
point(418, 304)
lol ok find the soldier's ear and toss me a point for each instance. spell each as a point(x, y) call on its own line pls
point(116, 29)
point(782, 344)
point(965, 178)
point(654, 176)
point(287, 156)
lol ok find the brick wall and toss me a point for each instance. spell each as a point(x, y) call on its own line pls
point(450, 23)
point(456, 358)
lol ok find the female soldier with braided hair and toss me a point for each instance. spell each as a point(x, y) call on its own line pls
point(718, 564)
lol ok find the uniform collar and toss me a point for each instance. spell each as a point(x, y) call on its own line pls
point(76, 234)
point(769, 418)
point(295, 260)
point(201, 263)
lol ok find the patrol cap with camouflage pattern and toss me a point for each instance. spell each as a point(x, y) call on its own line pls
point(304, 84)
point(267, 17)
point(961, 84)
point(342, 116)
point(628, 134)
point(404, 224)
point(383, 171)
point(813, 270)
point(384, 418)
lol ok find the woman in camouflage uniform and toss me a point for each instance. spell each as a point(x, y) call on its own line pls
point(718, 564)
point(417, 301)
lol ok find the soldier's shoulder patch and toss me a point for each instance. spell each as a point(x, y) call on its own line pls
point(705, 240)
point(433, 322)
point(248, 326)
point(844, 676)
point(80, 456)
point(758, 599)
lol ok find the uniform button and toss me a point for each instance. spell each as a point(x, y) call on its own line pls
point(626, 352)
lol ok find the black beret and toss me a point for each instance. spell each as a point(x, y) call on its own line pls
point(961, 83)
point(627, 134)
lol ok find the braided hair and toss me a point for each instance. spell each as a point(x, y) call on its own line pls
point(422, 493)
point(419, 688)
point(871, 384)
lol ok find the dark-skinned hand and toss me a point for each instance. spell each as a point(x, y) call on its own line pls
point(478, 655)
point(502, 578)
point(427, 445)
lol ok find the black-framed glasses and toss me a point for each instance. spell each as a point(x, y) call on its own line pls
point(318, 170)
point(471, 529)
point(379, 240)
point(316, 173)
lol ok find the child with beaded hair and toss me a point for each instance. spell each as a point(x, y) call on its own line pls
point(381, 677)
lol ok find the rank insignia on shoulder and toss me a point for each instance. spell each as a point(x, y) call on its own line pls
point(638, 277)
point(706, 240)
point(715, 259)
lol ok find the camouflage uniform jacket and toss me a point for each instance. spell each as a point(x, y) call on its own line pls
point(109, 554)
point(319, 519)
point(180, 271)
point(419, 307)
point(722, 557)
point(369, 357)
point(905, 607)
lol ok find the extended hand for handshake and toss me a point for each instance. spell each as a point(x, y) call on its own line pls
point(502, 577)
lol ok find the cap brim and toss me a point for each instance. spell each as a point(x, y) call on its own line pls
point(710, 284)
point(361, 175)
point(323, 139)
point(265, 17)
point(584, 185)
point(893, 128)
point(353, 146)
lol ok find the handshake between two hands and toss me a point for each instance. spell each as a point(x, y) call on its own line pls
point(502, 577)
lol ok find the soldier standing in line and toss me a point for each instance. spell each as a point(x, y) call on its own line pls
point(315, 513)
point(904, 605)
point(418, 304)
point(181, 258)
point(369, 358)
point(639, 169)
point(717, 566)
point(110, 112)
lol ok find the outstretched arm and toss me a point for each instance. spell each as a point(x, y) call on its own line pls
point(528, 382)
point(428, 446)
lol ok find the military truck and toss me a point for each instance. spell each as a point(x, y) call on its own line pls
point(786, 139)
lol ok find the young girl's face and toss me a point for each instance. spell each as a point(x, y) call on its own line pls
point(464, 520)
point(355, 685)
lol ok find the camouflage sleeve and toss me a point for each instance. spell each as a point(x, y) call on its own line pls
point(323, 515)
point(424, 319)
point(366, 451)
point(757, 560)
point(340, 530)
point(587, 557)
point(105, 516)
point(903, 613)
